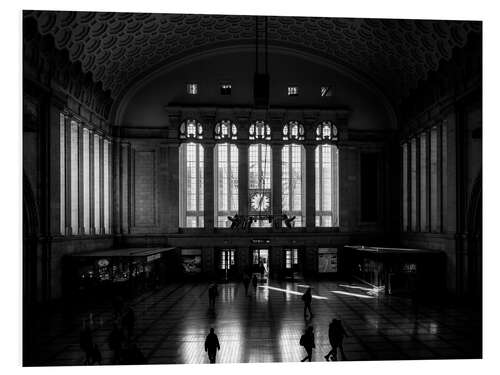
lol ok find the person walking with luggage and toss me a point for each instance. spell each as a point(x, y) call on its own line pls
point(336, 334)
point(307, 341)
point(212, 345)
point(307, 298)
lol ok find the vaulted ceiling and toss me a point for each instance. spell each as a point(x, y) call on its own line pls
point(120, 48)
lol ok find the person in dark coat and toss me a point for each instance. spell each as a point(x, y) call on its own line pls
point(212, 294)
point(128, 321)
point(336, 334)
point(212, 345)
point(96, 355)
point(307, 341)
point(246, 283)
point(254, 283)
point(86, 343)
point(307, 298)
point(115, 342)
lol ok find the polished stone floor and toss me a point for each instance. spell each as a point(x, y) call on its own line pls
point(266, 326)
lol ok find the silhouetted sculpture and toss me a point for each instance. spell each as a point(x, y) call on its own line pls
point(212, 294)
point(336, 334)
point(86, 343)
point(307, 298)
point(307, 341)
point(254, 282)
point(212, 345)
point(246, 283)
point(235, 221)
point(249, 222)
point(288, 220)
point(115, 341)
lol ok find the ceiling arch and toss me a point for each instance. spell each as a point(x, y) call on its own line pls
point(120, 48)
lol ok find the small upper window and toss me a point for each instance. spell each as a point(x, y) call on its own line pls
point(225, 89)
point(191, 129)
point(293, 90)
point(326, 131)
point(326, 91)
point(192, 88)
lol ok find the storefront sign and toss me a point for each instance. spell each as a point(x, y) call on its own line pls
point(191, 260)
point(260, 241)
point(153, 257)
point(327, 260)
point(103, 262)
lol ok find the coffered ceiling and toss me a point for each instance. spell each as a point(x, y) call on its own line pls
point(120, 48)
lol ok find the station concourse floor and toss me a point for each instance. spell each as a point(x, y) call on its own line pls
point(172, 324)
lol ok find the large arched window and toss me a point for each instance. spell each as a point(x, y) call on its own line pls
point(327, 176)
point(259, 179)
point(191, 209)
point(293, 174)
point(226, 175)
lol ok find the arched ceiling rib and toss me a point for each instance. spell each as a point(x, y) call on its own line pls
point(119, 48)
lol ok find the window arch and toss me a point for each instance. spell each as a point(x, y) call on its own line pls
point(259, 130)
point(293, 164)
point(226, 130)
point(191, 192)
point(326, 131)
point(327, 185)
point(191, 129)
point(226, 183)
point(293, 130)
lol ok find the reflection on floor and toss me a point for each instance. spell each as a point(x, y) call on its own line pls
point(266, 326)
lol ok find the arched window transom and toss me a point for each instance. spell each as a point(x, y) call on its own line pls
point(293, 131)
point(326, 131)
point(259, 130)
point(191, 129)
point(226, 130)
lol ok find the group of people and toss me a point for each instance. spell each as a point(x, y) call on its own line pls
point(120, 339)
point(247, 280)
point(336, 334)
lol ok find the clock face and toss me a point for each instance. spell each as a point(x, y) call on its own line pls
point(260, 202)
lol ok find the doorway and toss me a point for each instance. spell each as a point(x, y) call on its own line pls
point(260, 263)
point(292, 263)
point(226, 265)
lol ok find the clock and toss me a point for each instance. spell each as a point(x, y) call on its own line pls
point(260, 202)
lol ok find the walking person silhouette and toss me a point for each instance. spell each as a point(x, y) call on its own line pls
point(246, 283)
point(307, 298)
point(336, 334)
point(307, 341)
point(212, 294)
point(212, 345)
point(254, 283)
point(86, 343)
